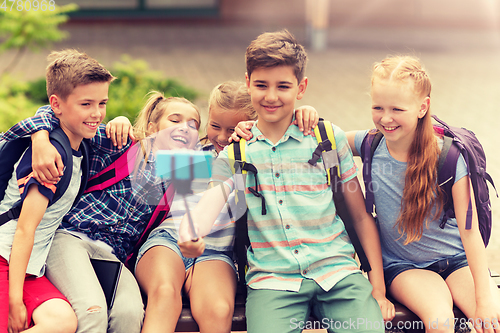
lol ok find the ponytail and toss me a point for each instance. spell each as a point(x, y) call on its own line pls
point(422, 194)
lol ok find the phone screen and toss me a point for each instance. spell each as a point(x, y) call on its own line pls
point(108, 273)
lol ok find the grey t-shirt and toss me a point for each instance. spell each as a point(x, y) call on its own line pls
point(50, 222)
point(388, 177)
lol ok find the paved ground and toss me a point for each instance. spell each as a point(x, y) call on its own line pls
point(464, 66)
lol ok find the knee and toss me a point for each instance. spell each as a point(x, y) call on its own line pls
point(440, 324)
point(164, 294)
point(67, 324)
point(220, 311)
point(126, 316)
point(61, 321)
point(93, 318)
point(130, 311)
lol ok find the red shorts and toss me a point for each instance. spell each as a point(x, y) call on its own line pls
point(35, 292)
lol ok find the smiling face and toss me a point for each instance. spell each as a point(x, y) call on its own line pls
point(273, 91)
point(221, 124)
point(178, 127)
point(396, 109)
point(82, 111)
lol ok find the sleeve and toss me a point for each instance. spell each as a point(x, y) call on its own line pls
point(461, 171)
point(221, 170)
point(24, 173)
point(348, 168)
point(44, 119)
point(358, 139)
point(101, 145)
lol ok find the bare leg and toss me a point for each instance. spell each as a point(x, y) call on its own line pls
point(461, 285)
point(212, 288)
point(427, 295)
point(161, 273)
point(54, 316)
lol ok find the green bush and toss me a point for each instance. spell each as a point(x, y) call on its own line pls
point(127, 94)
point(14, 104)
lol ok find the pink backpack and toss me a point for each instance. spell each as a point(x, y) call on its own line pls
point(117, 171)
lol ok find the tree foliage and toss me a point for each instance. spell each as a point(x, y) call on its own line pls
point(127, 94)
point(34, 29)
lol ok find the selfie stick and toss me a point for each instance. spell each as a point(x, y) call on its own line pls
point(185, 166)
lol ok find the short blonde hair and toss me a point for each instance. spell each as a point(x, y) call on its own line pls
point(71, 68)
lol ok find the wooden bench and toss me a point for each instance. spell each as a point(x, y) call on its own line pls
point(405, 321)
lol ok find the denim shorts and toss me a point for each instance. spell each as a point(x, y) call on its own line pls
point(164, 238)
point(443, 267)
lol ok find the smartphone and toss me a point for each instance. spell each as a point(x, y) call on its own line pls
point(108, 273)
point(183, 164)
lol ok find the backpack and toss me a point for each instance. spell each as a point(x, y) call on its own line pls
point(456, 141)
point(117, 171)
point(327, 150)
point(11, 152)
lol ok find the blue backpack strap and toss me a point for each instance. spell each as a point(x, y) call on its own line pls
point(59, 136)
point(10, 152)
point(85, 149)
point(368, 147)
point(326, 143)
point(17, 147)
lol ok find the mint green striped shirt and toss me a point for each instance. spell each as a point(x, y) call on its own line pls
point(300, 237)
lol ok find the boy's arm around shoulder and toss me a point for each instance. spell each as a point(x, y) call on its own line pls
point(44, 119)
point(46, 160)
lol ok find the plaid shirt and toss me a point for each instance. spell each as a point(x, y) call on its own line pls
point(117, 215)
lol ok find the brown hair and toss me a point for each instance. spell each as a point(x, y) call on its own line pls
point(421, 191)
point(71, 68)
point(272, 49)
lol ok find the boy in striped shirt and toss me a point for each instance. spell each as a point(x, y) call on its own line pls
point(301, 258)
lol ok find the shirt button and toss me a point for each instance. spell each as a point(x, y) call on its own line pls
point(131, 209)
point(287, 226)
point(273, 149)
point(280, 202)
point(304, 272)
point(277, 174)
point(296, 251)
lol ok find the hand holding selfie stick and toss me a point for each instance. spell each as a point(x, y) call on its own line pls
point(182, 167)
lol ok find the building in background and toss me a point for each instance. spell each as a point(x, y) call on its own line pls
point(432, 13)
